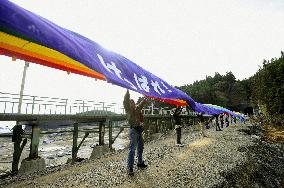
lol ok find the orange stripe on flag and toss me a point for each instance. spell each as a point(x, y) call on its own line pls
point(13, 46)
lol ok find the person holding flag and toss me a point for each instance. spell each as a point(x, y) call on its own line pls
point(135, 118)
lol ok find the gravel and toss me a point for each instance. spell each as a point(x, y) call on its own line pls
point(200, 163)
point(264, 166)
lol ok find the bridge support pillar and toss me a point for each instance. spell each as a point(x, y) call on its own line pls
point(34, 141)
point(110, 142)
point(33, 163)
point(75, 146)
point(102, 132)
point(75, 138)
point(18, 147)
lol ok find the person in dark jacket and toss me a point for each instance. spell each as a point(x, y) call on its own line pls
point(227, 120)
point(134, 117)
point(235, 120)
point(178, 126)
point(222, 120)
point(201, 123)
point(217, 123)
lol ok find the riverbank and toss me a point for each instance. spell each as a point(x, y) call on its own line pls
point(203, 162)
point(56, 148)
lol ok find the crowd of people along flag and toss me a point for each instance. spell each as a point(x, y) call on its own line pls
point(30, 37)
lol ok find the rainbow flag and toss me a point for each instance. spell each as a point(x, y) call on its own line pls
point(30, 37)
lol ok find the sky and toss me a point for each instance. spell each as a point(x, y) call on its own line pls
point(178, 41)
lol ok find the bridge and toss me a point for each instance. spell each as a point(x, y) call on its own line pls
point(38, 110)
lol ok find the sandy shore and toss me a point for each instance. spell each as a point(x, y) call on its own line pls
point(200, 163)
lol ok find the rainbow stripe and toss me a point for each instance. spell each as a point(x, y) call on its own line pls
point(27, 36)
point(29, 51)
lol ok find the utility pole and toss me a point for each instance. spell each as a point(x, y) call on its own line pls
point(17, 130)
point(103, 103)
point(22, 86)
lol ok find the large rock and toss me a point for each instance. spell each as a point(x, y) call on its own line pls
point(29, 166)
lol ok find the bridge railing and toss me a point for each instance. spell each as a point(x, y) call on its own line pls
point(32, 104)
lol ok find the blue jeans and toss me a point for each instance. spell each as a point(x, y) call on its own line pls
point(136, 139)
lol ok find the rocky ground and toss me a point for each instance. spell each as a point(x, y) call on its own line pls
point(221, 159)
point(265, 160)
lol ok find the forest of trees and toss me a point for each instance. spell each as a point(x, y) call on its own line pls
point(264, 89)
point(222, 90)
point(267, 86)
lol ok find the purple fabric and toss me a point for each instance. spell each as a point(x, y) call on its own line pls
point(202, 108)
point(117, 69)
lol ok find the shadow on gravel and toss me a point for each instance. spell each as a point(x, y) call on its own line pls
point(264, 167)
point(253, 130)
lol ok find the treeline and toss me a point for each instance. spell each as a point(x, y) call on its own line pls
point(264, 90)
point(222, 90)
point(267, 86)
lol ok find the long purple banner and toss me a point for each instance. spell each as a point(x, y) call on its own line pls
point(117, 69)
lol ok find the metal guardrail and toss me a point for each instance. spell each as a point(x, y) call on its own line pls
point(49, 105)
point(32, 104)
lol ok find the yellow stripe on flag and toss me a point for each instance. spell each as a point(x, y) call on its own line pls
point(53, 58)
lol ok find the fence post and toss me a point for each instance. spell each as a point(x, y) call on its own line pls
point(38, 108)
point(5, 108)
point(75, 138)
point(110, 134)
point(83, 106)
point(66, 100)
point(13, 107)
point(33, 104)
point(27, 108)
point(44, 108)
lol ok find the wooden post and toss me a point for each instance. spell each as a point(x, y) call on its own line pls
point(76, 147)
point(164, 125)
point(101, 132)
point(34, 141)
point(157, 126)
point(153, 125)
point(170, 124)
point(85, 136)
point(110, 134)
point(17, 139)
point(75, 138)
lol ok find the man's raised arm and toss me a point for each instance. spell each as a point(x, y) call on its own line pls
point(126, 101)
point(142, 103)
